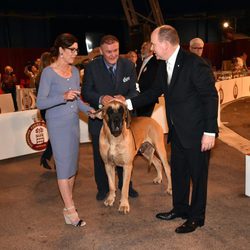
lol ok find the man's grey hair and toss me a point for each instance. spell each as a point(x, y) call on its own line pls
point(196, 40)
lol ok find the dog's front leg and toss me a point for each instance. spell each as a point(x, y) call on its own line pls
point(124, 204)
point(110, 170)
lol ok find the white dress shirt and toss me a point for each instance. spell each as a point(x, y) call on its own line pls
point(145, 61)
point(170, 63)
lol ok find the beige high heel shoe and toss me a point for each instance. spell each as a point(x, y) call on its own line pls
point(70, 218)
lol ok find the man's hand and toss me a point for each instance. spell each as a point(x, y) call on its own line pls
point(207, 142)
point(106, 99)
point(120, 98)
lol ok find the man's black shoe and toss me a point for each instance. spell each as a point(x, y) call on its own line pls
point(132, 193)
point(101, 195)
point(189, 226)
point(170, 215)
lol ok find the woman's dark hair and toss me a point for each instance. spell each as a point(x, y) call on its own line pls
point(64, 40)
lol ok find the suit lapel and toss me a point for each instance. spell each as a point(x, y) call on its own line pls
point(118, 74)
point(106, 75)
point(177, 67)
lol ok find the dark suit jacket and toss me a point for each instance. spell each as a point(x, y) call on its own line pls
point(97, 82)
point(191, 98)
point(146, 81)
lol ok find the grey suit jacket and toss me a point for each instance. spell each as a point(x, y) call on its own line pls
point(98, 82)
point(51, 94)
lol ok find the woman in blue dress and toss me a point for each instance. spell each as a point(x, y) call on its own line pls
point(59, 94)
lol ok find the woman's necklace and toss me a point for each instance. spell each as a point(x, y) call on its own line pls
point(63, 70)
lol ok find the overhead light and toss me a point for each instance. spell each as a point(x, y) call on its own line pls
point(225, 24)
point(88, 45)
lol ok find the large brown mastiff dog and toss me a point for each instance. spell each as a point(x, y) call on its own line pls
point(120, 139)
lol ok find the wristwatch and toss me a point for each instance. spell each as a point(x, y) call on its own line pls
point(100, 102)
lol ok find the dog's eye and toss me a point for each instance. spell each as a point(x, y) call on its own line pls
point(110, 111)
point(121, 110)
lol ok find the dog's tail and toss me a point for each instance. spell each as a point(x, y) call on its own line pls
point(148, 150)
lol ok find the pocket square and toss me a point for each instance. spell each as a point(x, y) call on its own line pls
point(125, 79)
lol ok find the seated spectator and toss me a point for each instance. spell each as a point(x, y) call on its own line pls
point(9, 82)
point(243, 56)
point(237, 65)
point(31, 71)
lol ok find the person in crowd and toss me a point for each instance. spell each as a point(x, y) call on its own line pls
point(59, 94)
point(132, 56)
point(37, 62)
point(30, 70)
point(9, 82)
point(188, 85)
point(45, 60)
point(237, 65)
point(243, 57)
point(196, 46)
point(146, 76)
point(105, 77)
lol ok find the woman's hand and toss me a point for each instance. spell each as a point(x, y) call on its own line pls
point(95, 114)
point(71, 95)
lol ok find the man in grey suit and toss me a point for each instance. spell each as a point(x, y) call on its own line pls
point(188, 85)
point(106, 77)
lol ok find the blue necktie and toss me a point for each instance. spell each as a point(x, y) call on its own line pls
point(112, 74)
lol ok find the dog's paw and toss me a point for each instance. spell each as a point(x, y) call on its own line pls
point(124, 208)
point(169, 191)
point(157, 180)
point(109, 201)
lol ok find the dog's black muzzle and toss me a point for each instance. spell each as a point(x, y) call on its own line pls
point(115, 121)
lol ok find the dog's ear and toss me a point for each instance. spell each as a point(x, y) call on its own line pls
point(127, 117)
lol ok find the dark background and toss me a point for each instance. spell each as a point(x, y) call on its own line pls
point(27, 28)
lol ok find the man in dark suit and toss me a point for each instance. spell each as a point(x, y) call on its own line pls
point(146, 76)
point(106, 77)
point(188, 85)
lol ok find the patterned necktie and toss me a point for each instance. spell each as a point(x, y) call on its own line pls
point(112, 74)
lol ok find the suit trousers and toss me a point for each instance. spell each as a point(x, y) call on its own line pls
point(189, 165)
point(101, 178)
